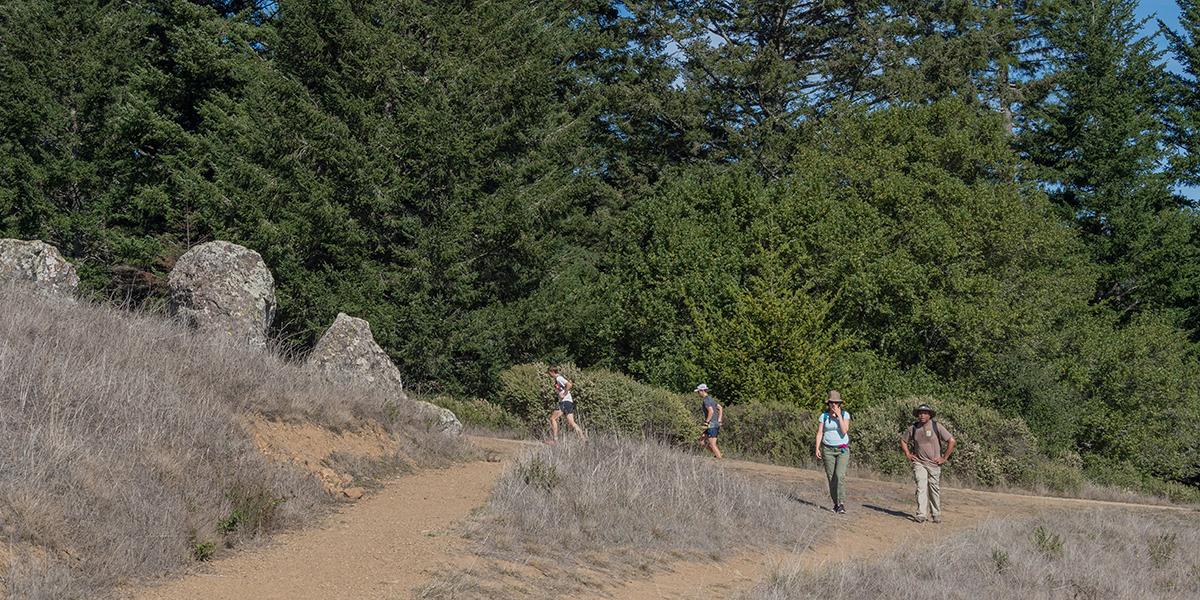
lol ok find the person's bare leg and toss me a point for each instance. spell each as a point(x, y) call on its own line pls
point(712, 446)
point(554, 425)
point(575, 427)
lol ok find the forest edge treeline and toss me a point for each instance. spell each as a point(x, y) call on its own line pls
point(969, 200)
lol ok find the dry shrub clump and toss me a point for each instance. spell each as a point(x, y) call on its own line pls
point(1097, 555)
point(577, 500)
point(121, 450)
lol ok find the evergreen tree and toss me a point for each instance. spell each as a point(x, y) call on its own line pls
point(1185, 116)
point(65, 175)
point(756, 68)
point(428, 167)
point(1095, 139)
point(100, 103)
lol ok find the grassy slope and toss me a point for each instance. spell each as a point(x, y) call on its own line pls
point(1096, 554)
point(121, 450)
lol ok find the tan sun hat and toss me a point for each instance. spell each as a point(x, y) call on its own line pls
point(834, 396)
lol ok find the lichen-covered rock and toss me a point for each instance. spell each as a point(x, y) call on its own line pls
point(347, 353)
point(224, 287)
point(38, 264)
point(442, 418)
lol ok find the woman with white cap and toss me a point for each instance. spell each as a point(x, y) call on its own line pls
point(833, 448)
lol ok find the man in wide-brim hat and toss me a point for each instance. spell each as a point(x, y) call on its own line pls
point(927, 435)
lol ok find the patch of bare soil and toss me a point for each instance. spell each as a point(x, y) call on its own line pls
point(312, 447)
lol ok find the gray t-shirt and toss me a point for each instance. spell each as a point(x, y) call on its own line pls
point(710, 401)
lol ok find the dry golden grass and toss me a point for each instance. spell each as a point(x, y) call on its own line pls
point(121, 453)
point(1110, 554)
point(585, 513)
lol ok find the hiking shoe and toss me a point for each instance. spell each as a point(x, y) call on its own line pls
point(840, 509)
point(937, 519)
point(919, 519)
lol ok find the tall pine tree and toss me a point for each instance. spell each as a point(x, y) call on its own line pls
point(1096, 140)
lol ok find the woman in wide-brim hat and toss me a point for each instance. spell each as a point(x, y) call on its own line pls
point(833, 448)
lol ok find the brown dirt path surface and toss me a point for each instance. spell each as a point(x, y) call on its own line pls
point(402, 536)
point(381, 547)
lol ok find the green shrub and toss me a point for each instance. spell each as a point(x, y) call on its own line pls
point(780, 433)
point(1063, 475)
point(1000, 560)
point(480, 413)
point(606, 401)
point(1049, 544)
point(992, 449)
point(253, 510)
point(1162, 548)
point(201, 550)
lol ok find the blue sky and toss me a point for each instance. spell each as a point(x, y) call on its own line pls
point(1168, 12)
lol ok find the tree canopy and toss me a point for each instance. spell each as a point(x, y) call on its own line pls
point(973, 199)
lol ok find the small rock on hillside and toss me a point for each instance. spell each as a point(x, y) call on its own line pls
point(224, 287)
point(348, 353)
point(39, 264)
point(443, 418)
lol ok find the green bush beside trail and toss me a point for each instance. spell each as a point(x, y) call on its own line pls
point(606, 401)
point(478, 412)
point(992, 449)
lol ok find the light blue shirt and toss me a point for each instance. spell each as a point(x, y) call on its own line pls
point(834, 436)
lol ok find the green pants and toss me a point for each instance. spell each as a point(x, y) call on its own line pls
point(836, 460)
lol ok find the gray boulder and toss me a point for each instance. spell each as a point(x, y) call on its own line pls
point(224, 287)
point(39, 264)
point(443, 419)
point(347, 353)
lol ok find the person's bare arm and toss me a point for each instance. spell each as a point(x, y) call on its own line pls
point(820, 431)
point(949, 450)
point(720, 413)
point(708, 414)
point(569, 385)
point(843, 423)
point(907, 453)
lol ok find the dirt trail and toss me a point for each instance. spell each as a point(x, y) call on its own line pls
point(390, 543)
point(379, 548)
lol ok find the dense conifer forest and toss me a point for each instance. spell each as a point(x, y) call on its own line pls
point(981, 200)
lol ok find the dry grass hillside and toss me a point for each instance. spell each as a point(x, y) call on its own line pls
point(130, 446)
point(1107, 554)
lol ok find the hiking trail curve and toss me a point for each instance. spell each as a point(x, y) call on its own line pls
point(399, 537)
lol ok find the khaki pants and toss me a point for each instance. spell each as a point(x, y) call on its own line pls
point(836, 460)
point(929, 497)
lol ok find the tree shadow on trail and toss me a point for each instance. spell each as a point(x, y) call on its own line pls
point(889, 511)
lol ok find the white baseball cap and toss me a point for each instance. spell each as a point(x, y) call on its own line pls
point(701, 388)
